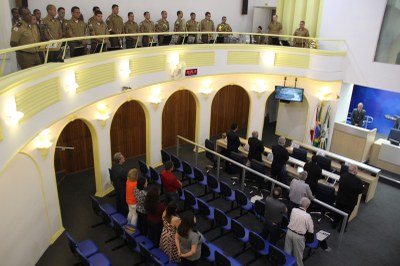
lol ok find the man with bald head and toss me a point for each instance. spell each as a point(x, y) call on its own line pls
point(280, 157)
point(256, 147)
point(350, 186)
point(358, 115)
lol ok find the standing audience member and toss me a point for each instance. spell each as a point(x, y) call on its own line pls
point(98, 27)
point(115, 25)
point(280, 157)
point(93, 19)
point(350, 186)
point(62, 20)
point(301, 32)
point(140, 196)
point(179, 25)
point(52, 30)
point(233, 140)
point(131, 27)
point(192, 25)
point(170, 182)
point(154, 209)
point(256, 147)
point(171, 222)
point(15, 16)
point(274, 28)
point(207, 25)
point(298, 190)
point(188, 241)
point(314, 173)
point(300, 223)
point(274, 211)
point(259, 39)
point(131, 184)
point(76, 28)
point(146, 26)
point(118, 178)
point(162, 25)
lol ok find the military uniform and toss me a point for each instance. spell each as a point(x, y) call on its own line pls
point(23, 34)
point(98, 29)
point(274, 28)
point(64, 24)
point(131, 27)
point(206, 25)
point(53, 29)
point(180, 26)
point(76, 28)
point(258, 39)
point(116, 26)
point(146, 26)
point(192, 25)
point(91, 20)
point(301, 42)
point(224, 27)
point(162, 26)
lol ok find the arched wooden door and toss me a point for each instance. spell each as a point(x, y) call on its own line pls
point(230, 104)
point(74, 150)
point(128, 130)
point(178, 118)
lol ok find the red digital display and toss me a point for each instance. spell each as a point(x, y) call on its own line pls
point(191, 72)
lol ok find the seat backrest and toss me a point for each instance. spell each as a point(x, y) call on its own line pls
point(104, 215)
point(190, 197)
point(203, 207)
point(84, 260)
point(212, 181)
point(225, 189)
point(187, 168)
point(277, 256)
point(220, 217)
point(237, 157)
point(241, 198)
point(130, 239)
point(237, 229)
point(95, 205)
point(325, 193)
point(198, 174)
point(205, 250)
point(299, 154)
point(324, 163)
point(146, 254)
point(71, 242)
point(143, 167)
point(256, 241)
point(165, 156)
point(119, 230)
point(176, 161)
point(259, 208)
point(221, 259)
point(211, 146)
point(154, 174)
point(258, 166)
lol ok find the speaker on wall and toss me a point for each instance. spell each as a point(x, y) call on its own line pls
point(245, 7)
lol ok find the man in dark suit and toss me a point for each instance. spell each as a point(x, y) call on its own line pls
point(233, 140)
point(256, 147)
point(118, 178)
point(314, 173)
point(280, 157)
point(350, 186)
point(358, 115)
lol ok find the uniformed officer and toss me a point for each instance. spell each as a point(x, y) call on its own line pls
point(162, 25)
point(92, 20)
point(259, 39)
point(302, 32)
point(224, 27)
point(131, 27)
point(52, 30)
point(115, 26)
point(207, 25)
point(23, 34)
point(146, 26)
point(180, 26)
point(191, 26)
point(63, 21)
point(98, 28)
point(35, 28)
point(15, 16)
point(38, 14)
point(76, 28)
point(275, 28)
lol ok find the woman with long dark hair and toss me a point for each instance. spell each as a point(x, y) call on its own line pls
point(188, 241)
point(154, 209)
point(171, 222)
point(140, 196)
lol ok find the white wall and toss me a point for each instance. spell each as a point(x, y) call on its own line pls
point(359, 23)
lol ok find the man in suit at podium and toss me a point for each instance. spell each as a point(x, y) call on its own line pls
point(358, 115)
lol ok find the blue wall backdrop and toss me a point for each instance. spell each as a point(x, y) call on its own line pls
point(377, 103)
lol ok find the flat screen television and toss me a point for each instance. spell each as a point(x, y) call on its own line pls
point(289, 94)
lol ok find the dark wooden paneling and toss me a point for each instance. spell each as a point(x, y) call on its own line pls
point(178, 118)
point(230, 104)
point(76, 134)
point(128, 130)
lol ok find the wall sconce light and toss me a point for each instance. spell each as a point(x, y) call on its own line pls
point(125, 69)
point(70, 84)
point(42, 143)
point(259, 88)
point(268, 58)
point(326, 94)
point(155, 99)
point(102, 114)
point(206, 89)
point(12, 114)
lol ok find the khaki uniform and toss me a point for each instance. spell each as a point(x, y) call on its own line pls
point(98, 29)
point(23, 34)
point(64, 24)
point(180, 26)
point(301, 42)
point(192, 25)
point(76, 28)
point(116, 26)
point(131, 27)
point(146, 26)
point(224, 27)
point(274, 28)
point(206, 25)
point(53, 26)
point(259, 39)
point(162, 26)
point(91, 20)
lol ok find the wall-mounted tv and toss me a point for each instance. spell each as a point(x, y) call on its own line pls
point(288, 94)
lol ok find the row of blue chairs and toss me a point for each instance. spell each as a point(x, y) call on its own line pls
point(226, 224)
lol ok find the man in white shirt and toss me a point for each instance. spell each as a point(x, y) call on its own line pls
point(300, 223)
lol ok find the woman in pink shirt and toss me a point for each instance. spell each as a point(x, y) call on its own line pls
point(131, 183)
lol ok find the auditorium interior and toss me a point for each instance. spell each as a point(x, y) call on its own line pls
point(61, 123)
